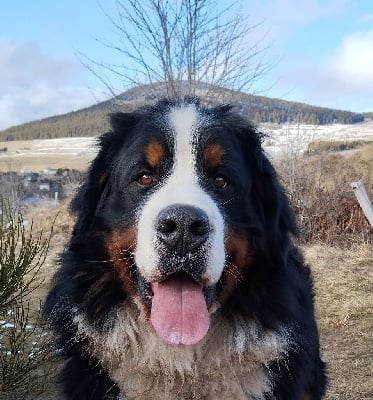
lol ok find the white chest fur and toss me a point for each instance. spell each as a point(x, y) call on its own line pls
point(230, 363)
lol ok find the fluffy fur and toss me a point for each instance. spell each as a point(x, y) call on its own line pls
point(177, 161)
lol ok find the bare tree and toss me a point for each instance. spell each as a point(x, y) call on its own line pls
point(182, 44)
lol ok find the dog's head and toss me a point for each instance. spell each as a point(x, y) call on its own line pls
point(182, 199)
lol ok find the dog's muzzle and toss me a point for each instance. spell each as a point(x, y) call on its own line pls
point(182, 231)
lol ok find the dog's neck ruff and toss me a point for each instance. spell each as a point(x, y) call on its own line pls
point(144, 367)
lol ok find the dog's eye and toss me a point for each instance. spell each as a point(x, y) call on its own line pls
point(145, 179)
point(220, 182)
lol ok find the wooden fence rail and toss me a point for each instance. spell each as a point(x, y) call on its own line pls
point(363, 199)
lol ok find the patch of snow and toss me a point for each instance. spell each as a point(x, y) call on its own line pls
point(280, 138)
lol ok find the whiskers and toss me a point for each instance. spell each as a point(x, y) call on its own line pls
point(99, 261)
point(231, 199)
point(124, 255)
point(128, 256)
point(233, 270)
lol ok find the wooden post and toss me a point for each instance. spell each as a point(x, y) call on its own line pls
point(363, 199)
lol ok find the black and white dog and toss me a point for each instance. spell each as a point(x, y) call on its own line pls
point(180, 280)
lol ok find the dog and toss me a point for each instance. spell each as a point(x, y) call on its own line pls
point(181, 279)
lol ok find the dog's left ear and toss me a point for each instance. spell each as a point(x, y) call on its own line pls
point(93, 186)
point(274, 203)
point(268, 194)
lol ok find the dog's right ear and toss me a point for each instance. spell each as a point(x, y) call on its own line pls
point(87, 198)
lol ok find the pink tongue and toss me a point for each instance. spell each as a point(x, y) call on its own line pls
point(179, 313)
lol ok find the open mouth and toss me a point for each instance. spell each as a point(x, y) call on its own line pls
point(178, 308)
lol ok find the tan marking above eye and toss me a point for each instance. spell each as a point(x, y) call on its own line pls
point(214, 154)
point(154, 153)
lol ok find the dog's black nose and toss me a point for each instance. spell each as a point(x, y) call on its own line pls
point(182, 228)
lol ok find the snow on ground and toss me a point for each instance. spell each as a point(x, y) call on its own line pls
point(76, 146)
point(280, 138)
point(297, 136)
point(36, 155)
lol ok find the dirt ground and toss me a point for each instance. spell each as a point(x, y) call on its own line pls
point(344, 308)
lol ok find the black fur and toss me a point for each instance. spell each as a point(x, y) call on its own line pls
point(275, 290)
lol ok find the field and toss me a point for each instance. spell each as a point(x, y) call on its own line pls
point(76, 152)
point(36, 155)
point(296, 137)
point(344, 304)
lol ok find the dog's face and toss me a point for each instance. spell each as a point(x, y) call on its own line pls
point(177, 205)
point(180, 225)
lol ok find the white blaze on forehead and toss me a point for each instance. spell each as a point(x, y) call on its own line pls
point(183, 122)
point(181, 187)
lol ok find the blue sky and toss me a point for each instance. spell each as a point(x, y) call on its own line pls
point(324, 50)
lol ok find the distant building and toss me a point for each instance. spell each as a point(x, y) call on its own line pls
point(44, 185)
point(50, 171)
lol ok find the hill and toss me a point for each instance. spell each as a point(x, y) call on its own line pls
point(92, 121)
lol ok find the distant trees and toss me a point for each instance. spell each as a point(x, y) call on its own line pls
point(264, 109)
point(368, 115)
point(86, 123)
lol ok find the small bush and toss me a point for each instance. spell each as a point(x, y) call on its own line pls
point(24, 346)
point(323, 200)
point(319, 146)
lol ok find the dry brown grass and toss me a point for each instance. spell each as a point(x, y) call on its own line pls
point(19, 156)
point(39, 164)
point(43, 218)
point(319, 146)
point(323, 200)
point(344, 308)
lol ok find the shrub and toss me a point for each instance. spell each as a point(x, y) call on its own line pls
point(24, 344)
point(320, 146)
point(321, 195)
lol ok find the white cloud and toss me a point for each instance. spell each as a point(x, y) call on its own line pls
point(352, 62)
point(23, 64)
point(343, 79)
point(34, 85)
point(346, 75)
point(41, 101)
